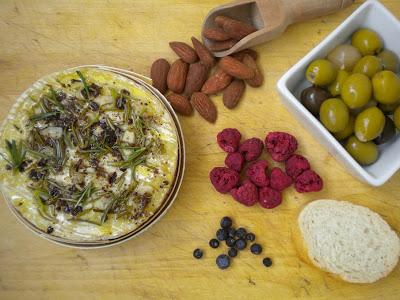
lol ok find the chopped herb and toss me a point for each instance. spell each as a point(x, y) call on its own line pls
point(41, 116)
point(85, 194)
point(16, 154)
point(133, 159)
point(85, 85)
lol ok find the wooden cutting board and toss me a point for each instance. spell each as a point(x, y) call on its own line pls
point(40, 37)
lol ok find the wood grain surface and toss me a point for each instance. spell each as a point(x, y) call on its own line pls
point(40, 37)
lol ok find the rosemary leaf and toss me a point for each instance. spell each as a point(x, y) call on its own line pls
point(41, 116)
point(85, 86)
point(16, 154)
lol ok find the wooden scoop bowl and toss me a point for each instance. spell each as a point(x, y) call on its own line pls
point(270, 17)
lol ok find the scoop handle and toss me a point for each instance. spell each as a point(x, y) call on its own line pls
point(301, 10)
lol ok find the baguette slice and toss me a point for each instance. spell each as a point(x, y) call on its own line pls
point(348, 240)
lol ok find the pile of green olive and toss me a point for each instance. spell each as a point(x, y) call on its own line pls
point(356, 94)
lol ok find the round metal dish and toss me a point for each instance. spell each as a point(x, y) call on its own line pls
point(169, 199)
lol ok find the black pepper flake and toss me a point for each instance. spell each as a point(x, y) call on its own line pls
point(94, 106)
point(112, 178)
point(76, 210)
point(50, 230)
point(8, 167)
point(120, 102)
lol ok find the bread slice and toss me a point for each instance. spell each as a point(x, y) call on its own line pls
point(348, 240)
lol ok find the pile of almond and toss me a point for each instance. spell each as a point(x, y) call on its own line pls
point(227, 33)
point(187, 83)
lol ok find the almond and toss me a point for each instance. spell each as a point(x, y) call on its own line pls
point(240, 55)
point(217, 82)
point(184, 51)
point(235, 68)
point(258, 78)
point(177, 76)
point(204, 106)
point(195, 78)
point(204, 54)
point(221, 46)
point(234, 28)
point(233, 93)
point(216, 34)
point(180, 103)
point(158, 73)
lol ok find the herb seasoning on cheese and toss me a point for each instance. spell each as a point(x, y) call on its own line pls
point(89, 153)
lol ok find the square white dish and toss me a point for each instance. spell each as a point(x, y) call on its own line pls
point(375, 16)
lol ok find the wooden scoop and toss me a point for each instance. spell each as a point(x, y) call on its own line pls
point(270, 17)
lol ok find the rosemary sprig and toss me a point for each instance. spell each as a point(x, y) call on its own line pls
point(16, 154)
point(85, 86)
point(41, 116)
point(85, 194)
point(115, 200)
point(133, 159)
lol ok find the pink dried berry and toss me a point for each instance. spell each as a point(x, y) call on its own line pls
point(224, 179)
point(279, 180)
point(269, 198)
point(251, 149)
point(296, 165)
point(280, 145)
point(234, 161)
point(308, 181)
point(246, 194)
point(257, 173)
point(229, 139)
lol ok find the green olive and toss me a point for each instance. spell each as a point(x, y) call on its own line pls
point(334, 114)
point(356, 111)
point(396, 117)
point(368, 65)
point(347, 131)
point(344, 57)
point(388, 108)
point(368, 42)
point(369, 124)
point(365, 153)
point(321, 72)
point(335, 87)
point(356, 90)
point(389, 131)
point(386, 85)
point(390, 60)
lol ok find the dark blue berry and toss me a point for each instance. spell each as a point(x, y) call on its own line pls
point(241, 232)
point(226, 222)
point(240, 244)
point(250, 237)
point(222, 234)
point(256, 249)
point(198, 253)
point(230, 242)
point(232, 252)
point(267, 262)
point(214, 243)
point(232, 232)
point(223, 261)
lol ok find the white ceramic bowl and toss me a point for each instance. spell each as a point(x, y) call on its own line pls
point(373, 15)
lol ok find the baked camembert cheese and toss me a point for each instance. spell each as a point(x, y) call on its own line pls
point(87, 154)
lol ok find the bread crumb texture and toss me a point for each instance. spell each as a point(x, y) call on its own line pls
point(349, 240)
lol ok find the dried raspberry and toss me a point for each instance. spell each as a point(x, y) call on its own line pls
point(296, 165)
point(251, 149)
point(246, 194)
point(279, 180)
point(280, 145)
point(257, 173)
point(308, 181)
point(234, 161)
point(269, 198)
point(224, 179)
point(229, 139)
